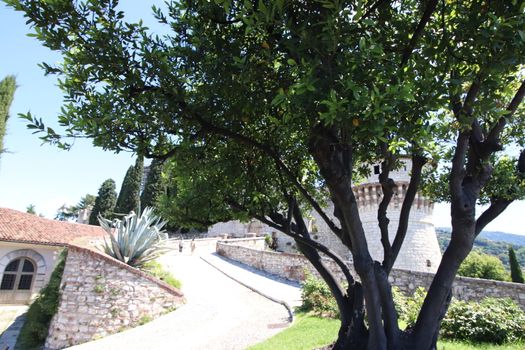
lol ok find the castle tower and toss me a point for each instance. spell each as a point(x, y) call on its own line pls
point(420, 250)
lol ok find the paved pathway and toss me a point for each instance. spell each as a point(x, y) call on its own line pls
point(220, 314)
point(11, 321)
point(274, 287)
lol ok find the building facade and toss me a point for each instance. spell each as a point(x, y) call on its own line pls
point(29, 250)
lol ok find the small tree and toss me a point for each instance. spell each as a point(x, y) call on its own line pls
point(129, 195)
point(479, 265)
point(7, 91)
point(31, 209)
point(516, 274)
point(66, 212)
point(105, 202)
point(154, 188)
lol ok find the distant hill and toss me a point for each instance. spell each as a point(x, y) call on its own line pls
point(491, 242)
point(498, 236)
point(503, 237)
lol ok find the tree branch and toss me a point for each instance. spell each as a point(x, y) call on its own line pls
point(457, 173)
point(415, 178)
point(471, 96)
point(497, 206)
point(387, 186)
point(286, 228)
point(372, 8)
point(330, 253)
point(390, 316)
point(272, 154)
point(429, 10)
point(494, 133)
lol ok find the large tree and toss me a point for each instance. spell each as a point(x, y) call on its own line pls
point(7, 92)
point(129, 196)
point(104, 203)
point(272, 107)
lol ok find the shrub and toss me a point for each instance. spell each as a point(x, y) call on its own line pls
point(491, 320)
point(156, 269)
point(36, 327)
point(479, 265)
point(136, 239)
point(413, 306)
point(318, 299)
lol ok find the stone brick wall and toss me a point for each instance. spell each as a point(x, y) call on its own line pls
point(100, 296)
point(293, 266)
point(254, 242)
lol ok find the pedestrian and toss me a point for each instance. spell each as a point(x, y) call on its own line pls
point(192, 245)
point(181, 245)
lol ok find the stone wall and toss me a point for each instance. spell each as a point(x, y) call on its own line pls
point(100, 296)
point(254, 243)
point(293, 266)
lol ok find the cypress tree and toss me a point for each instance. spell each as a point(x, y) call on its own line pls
point(105, 202)
point(515, 270)
point(154, 187)
point(7, 91)
point(129, 196)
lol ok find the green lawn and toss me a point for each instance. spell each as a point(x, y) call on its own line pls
point(319, 331)
point(310, 332)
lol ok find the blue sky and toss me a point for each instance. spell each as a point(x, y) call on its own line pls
point(48, 177)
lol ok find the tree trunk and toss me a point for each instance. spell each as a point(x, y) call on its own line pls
point(353, 335)
point(438, 297)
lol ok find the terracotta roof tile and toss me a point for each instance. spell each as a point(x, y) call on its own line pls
point(16, 226)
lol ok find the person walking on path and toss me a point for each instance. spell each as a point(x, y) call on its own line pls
point(192, 245)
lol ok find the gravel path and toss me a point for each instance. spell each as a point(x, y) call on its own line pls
point(220, 314)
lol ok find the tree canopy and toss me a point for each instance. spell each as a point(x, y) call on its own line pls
point(266, 109)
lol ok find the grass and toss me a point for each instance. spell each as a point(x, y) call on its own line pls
point(155, 269)
point(320, 331)
point(310, 332)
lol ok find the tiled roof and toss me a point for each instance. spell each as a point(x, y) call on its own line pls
point(16, 226)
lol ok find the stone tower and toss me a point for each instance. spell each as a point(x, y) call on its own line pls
point(420, 250)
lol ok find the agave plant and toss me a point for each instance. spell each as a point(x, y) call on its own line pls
point(136, 239)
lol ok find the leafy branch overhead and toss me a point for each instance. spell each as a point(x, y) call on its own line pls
point(269, 109)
